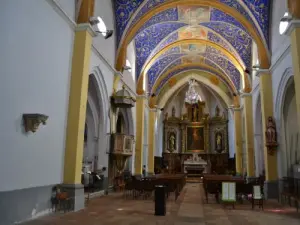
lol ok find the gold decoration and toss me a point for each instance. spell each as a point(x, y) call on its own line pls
point(214, 80)
point(172, 82)
point(32, 121)
point(262, 47)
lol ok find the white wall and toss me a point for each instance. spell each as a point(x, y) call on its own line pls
point(35, 70)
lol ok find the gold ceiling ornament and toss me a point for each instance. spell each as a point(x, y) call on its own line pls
point(214, 80)
point(236, 101)
point(172, 82)
point(179, 67)
point(229, 55)
point(152, 102)
point(294, 8)
point(263, 53)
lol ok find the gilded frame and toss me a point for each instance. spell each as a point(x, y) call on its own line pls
point(204, 139)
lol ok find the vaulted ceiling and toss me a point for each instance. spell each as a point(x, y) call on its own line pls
point(173, 36)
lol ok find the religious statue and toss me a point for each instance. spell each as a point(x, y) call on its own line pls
point(219, 143)
point(166, 116)
point(271, 131)
point(172, 143)
point(173, 111)
point(271, 136)
point(195, 114)
point(217, 111)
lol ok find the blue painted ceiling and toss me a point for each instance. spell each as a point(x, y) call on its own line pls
point(185, 22)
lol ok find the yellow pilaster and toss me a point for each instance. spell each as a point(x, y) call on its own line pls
point(151, 140)
point(248, 109)
point(238, 141)
point(266, 95)
point(139, 144)
point(294, 32)
point(77, 104)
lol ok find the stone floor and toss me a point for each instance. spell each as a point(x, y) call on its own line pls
point(189, 209)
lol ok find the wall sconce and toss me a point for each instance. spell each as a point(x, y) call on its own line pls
point(32, 121)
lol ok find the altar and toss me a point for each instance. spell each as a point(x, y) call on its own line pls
point(195, 166)
point(195, 139)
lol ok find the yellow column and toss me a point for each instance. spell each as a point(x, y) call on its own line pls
point(294, 32)
point(77, 104)
point(266, 95)
point(139, 144)
point(248, 109)
point(151, 140)
point(238, 141)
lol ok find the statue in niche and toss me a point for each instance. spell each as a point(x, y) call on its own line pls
point(195, 114)
point(271, 135)
point(217, 111)
point(173, 111)
point(172, 140)
point(166, 116)
point(219, 142)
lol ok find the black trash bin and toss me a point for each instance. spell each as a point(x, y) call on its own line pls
point(160, 200)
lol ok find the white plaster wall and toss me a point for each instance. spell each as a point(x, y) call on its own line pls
point(69, 6)
point(104, 9)
point(36, 51)
point(277, 41)
point(129, 77)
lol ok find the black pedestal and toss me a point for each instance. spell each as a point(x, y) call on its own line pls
point(160, 200)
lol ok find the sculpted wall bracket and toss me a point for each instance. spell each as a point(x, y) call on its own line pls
point(31, 122)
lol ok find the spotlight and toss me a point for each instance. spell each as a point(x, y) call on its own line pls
point(284, 23)
point(256, 67)
point(127, 68)
point(100, 27)
point(153, 95)
point(247, 71)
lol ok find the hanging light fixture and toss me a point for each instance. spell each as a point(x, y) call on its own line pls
point(191, 96)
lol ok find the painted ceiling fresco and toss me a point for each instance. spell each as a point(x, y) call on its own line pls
point(183, 22)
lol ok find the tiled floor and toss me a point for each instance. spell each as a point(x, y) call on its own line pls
point(189, 209)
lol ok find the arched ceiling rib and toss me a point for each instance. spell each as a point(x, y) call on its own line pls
point(226, 27)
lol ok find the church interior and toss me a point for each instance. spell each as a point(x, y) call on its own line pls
point(150, 112)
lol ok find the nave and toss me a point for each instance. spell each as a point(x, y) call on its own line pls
point(189, 209)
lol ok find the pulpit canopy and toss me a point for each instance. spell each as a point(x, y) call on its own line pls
point(123, 99)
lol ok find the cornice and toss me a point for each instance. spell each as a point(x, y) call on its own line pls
point(86, 27)
point(291, 27)
point(261, 72)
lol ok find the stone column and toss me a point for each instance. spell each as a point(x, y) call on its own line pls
point(238, 141)
point(249, 134)
point(77, 114)
point(151, 140)
point(265, 82)
point(139, 143)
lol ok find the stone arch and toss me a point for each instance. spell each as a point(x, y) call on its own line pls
point(284, 96)
point(163, 99)
point(128, 120)
point(101, 104)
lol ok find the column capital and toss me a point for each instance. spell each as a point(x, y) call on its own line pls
point(235, 109)
point(245, 94)
point(292, 26)
point(261, 72)
point(141, 96)
point(86, 27)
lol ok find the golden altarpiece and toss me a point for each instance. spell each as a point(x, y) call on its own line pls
point(196, 142)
